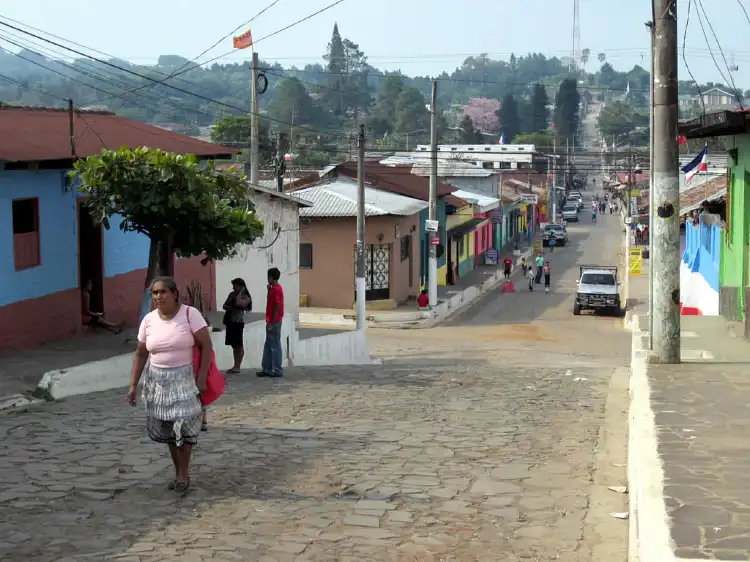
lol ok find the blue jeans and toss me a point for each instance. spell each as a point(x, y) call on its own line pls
point(273, 354)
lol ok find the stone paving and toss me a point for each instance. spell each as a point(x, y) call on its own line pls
point(702, 415)
point(395, 463)
point(472, 442)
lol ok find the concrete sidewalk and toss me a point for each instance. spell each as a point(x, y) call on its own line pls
point(687, 462)
point(451, 299)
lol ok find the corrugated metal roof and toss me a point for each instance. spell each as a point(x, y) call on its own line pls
point(33, 134)
point(447, 167)
point(339, 199)
point(484, 202)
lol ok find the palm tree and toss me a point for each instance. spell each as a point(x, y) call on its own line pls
point(602, 59)
point(585, 59)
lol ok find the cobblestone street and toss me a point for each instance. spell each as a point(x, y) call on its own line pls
point(476, 441)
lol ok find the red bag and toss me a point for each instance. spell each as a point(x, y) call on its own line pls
point(214, 380)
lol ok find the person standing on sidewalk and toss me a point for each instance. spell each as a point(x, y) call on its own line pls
point(539, 265)
point(273, 353)
point(547, 275)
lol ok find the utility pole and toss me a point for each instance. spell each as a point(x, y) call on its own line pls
point(432, 263)
point(359, 275)
point(650, 26)
point(628, 226)
point(72, 129)
point(666, 199)
point(280, 168)
point(254, 148)
point(554, 179)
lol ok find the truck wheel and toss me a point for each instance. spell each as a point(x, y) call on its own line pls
point(576, 309)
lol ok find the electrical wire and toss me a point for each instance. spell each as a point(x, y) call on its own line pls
point(27, 87)
point(729, 80)
point(684, 58)
point(256, 41)
point(744, 10)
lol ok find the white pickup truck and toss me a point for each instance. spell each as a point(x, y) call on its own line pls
point(597, 290)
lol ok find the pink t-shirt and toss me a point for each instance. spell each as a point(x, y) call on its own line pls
point(170, 342)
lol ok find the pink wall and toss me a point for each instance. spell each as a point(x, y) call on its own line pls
point(482, 238)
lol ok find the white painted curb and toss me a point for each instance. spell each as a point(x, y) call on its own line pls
point(650, 539)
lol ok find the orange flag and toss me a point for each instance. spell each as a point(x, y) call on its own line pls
point(243, 41)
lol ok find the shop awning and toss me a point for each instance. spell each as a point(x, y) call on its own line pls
point(465, 228)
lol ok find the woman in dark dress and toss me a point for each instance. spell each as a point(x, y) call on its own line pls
point(237, 304)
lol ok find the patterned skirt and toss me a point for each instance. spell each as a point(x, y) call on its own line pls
point(173, 410)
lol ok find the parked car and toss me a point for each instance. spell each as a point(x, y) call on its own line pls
point(558, 231)
point(598, 289)
point(570, 212)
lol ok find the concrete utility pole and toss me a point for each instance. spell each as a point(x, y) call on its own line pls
point(628, 228)
point(280, 170)
point(554, 179)
point(254, 148)
point(432, 263)
point(666, 199)
point(650, 26)
point(359, 275)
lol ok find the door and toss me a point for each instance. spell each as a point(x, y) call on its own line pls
point(91, 257)
point(377, 271)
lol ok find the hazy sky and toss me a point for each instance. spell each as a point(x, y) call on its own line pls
point(418, 37)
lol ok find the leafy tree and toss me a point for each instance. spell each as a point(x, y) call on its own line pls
point(356, 89)
point(467, 134)
point(182, 205)
point(383, 116)
point(411, 111)
point(483, 113)
point(567, 106)
point(236, 132)
point(616, 120)
point(542, 140)
point(293, 104)
point(509, 116)
point(538, 111)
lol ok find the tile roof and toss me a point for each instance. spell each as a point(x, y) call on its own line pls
point(692, 198)
point(32, 134)
point(339, 199)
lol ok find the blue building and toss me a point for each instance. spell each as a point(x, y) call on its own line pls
point(49, 245)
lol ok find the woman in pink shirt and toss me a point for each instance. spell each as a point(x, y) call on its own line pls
point(171, 387)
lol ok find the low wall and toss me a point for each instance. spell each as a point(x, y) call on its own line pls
point(649, 539)
point(699, 270)
point(346, 348)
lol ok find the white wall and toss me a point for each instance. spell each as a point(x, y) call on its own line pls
point(252, 262)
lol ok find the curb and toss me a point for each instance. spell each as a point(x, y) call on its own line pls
point(418, 319)
point(650, 539)
point(17, 402)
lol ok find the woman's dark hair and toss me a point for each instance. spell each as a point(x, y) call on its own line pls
point(169, 283)
point(239, 281)
point(274, 273)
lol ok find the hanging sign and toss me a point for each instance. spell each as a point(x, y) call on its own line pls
point(243, 41)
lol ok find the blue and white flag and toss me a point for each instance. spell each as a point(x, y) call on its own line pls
point(696, 165)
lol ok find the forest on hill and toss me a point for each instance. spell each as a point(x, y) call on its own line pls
point(321, 104)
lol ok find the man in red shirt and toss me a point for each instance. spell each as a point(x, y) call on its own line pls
point(507, 266)
point(273, 353)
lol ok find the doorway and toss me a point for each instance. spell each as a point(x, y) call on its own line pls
point(91, 257)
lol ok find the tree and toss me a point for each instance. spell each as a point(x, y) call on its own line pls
point(616, 120)
point(383, 116)
point(510, 120)
point(483, 113)
point(467, 134)
point(182, 205)
point(585, 54)
point(567, 106)
point(235, 131)
point(538, 112)
point(333, 95)
point(542, 140)
point(293, 104)
point(356, 89)
point(411, 111)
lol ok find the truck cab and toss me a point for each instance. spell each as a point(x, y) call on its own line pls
point(598, 289)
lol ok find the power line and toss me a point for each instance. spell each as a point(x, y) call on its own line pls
point(27, 87)
point(255, 42)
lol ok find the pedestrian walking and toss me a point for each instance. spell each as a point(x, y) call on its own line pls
point(547, 274)
point(530, 276)
point(507, 266)
point(524, 265)
point(237, 304)
point(539, 264)
point(273, 353)
point(171, 387)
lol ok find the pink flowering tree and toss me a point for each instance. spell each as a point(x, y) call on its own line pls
point(483, 112)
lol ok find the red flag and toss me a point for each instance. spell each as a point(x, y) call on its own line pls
point(681, 139)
